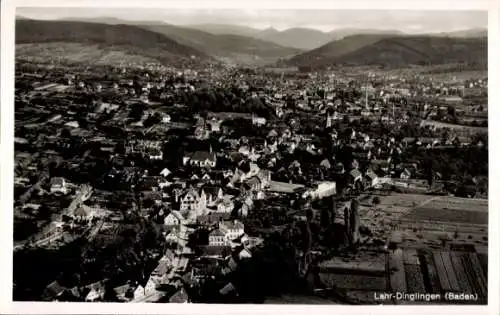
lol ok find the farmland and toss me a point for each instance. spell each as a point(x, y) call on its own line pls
point(424, 219)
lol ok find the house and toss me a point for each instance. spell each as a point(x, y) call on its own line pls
point(216, 238)
point(272, 134)
point(406, 174)
point(321, 190)
point(252, 184)
point(174, 218)
point(122, 292)
point(227, 289)
point(244, 254)
point(193, 201)
point(325, 164)
point(58, 186)
point(225, 233)
point(179, 297)
point(96, 293)
point(165, 172)
point(84, 213)
point(212, 194)
point(355, 175)
point(200, 159)
point(214, 124)
point(232, 229)
point(53, 291)
point(224, 206)
point(258, 121)
point(339, 168)
point(372, 178)
point(166, 118)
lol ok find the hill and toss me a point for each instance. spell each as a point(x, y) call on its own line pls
point(397, 51)
point(468, 33)
point(335, 49)
point(104, 38)
point(227, 47)
point(234, 48)
point(225, 29)
point(302, 38)
point(298, 37)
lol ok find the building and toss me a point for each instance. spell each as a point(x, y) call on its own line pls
point(174, 218)
point(200, 159)
point(226, 233)
point(355, 175)
point(321, 190)
point(258, 121)
point(58, 186)
point(193, 201)
point(232, 229)
point(213, 194)
point(216, 238)
point(372, 179)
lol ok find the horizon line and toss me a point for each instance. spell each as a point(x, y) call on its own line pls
point(306, 27)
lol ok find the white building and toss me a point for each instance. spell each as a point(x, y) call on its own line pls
point(58, 186)
point(321, 190)
point(227, 231)
point(174, 218)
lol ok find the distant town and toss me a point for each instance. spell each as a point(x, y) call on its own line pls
point(216, 183)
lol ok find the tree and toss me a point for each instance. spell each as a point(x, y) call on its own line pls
point(136, 111)
point(65, 133)
point(376, 200)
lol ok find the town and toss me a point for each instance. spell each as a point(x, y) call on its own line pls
point(226, 184)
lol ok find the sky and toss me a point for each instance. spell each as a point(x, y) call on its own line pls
point(410, 21)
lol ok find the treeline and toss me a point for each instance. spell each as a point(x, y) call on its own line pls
point(223, 100)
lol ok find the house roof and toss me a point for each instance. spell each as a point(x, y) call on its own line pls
point(203, 156)
point(162, 268)
point(371, 175)
point(53, 290)
point(210, 190)
point(228, 288)
point(355, 173)
point(216, 232)
point(215, 250)
point(179, 297)
point(175, 214)
point(82, 211)
point(212, 218)
point(57, 181)
point(192, 192)
point(165, 172)
point(326, 163)
point(231, 225)
point(272, 133)
point(254, 181)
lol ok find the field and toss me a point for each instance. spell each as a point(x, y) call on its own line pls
point(424, 220)
point(438, 124)
point(359, 277)
point(73, 53)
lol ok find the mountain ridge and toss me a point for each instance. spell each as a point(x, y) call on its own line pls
point(396, 51)
point(127, 39)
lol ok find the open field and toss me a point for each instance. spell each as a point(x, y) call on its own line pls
point(424, 220)
point(438, 124)
point(449, 215)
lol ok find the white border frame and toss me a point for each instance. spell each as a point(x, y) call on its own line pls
point(7, 146)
